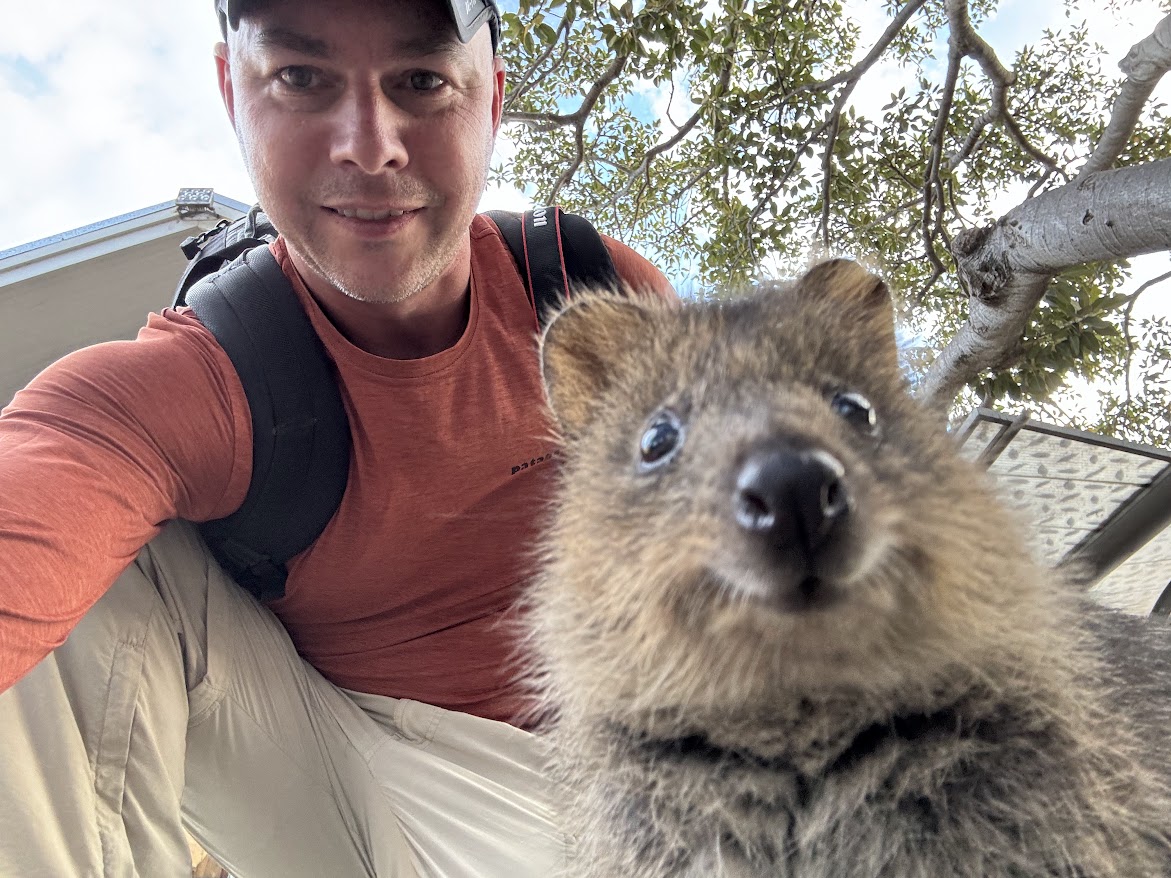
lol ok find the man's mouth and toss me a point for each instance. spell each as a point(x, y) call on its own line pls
point(358, 213)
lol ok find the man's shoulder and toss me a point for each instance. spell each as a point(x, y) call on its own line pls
point(636, 272)
point(170, 361)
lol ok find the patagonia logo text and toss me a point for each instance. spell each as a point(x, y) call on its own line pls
point(529, 464)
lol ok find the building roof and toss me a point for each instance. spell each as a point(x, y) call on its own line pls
point(1098, 504)
point(120, 232)
point(95, 283)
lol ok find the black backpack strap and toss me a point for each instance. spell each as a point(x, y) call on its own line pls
point(512, 230)
point(555, 252)
point(584, 253)
point(300, 432)
point(209, 252)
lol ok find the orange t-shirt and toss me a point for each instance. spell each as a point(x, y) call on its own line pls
point(408, 592)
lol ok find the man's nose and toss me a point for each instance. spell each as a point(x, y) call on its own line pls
point(369, 131)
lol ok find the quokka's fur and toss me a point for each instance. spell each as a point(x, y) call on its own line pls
point(912, 697)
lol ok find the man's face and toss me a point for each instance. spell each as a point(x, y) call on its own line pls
point(367, 128)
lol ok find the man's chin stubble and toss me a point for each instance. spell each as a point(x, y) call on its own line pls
point(367, 294)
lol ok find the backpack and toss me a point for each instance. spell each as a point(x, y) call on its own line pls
point(300, 433)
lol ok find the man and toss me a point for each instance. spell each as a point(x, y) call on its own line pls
point(368, 722)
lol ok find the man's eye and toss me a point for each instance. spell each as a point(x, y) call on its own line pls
point(299, 78)
point(424, 80)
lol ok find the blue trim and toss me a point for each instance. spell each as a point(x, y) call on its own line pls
point(75, 233)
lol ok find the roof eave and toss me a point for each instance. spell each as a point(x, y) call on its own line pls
point(88, 242)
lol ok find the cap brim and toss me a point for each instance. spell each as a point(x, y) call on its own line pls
point(469, 16)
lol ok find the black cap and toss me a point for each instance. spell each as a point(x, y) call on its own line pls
point(468, 16)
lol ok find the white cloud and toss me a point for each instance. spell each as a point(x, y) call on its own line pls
point(118, 110)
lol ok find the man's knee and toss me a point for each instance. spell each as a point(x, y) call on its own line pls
point(97, 730)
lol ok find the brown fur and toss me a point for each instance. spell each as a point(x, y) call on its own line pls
point(948, 714)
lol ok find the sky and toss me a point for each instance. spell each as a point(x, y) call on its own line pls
point(106, 108)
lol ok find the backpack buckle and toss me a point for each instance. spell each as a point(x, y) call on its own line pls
point(192, 245)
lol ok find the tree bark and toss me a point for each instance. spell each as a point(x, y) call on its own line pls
point(1144, 65)
point(1006, 267)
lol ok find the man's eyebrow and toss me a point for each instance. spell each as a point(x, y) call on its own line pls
point(422, 46)
point(283, 38)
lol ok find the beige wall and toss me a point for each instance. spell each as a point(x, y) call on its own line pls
point(47, 316)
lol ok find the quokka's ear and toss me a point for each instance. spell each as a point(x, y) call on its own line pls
point(579, 349)
point(861, 298)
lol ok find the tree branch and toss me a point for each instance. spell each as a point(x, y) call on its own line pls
point(541, 122)
point(644, 167)
point(931, 187)
point(524, 82)
point(1007, 267)
point(970, 44)
point(549, 121)
point(851, 78)
point(831, 136)
point(1127, 313)
point(567, 174)
point(998, 108)
point(578, 118)
point(856, 72)
point(1144, 65)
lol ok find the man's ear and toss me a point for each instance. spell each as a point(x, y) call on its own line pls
point(223, 68)
point(580, 349)
point(498, 78)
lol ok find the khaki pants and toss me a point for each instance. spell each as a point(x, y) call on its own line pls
point(179, 700)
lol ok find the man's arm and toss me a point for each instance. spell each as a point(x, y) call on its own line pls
point(97, 453)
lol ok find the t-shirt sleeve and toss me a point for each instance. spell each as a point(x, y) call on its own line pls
point(637, 272)
point(96, 454)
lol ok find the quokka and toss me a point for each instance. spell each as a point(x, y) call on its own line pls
point(785, 630)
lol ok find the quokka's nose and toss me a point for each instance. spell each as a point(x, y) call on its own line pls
point(792, 497)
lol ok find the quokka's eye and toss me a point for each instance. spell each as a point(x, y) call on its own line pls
point(856, 410)
point(661, 441)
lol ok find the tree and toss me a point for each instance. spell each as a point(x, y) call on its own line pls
point(761, 153)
